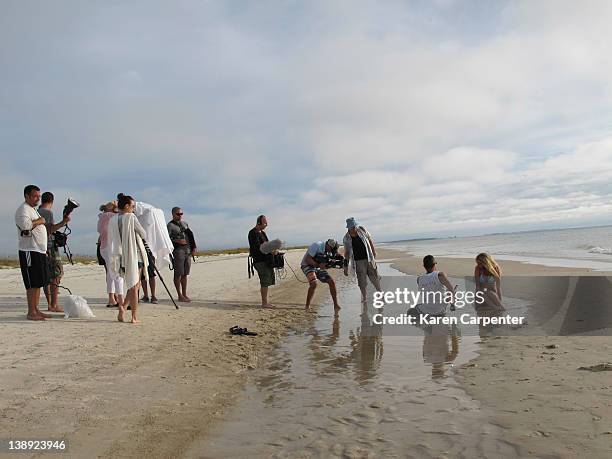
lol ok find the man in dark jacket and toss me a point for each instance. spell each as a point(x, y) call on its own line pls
point(257, 236)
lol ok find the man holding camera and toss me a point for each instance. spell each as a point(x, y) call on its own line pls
point(54, 258)
point(360, 253)
point(313, 266)
point(32, 236)
point(182, 239)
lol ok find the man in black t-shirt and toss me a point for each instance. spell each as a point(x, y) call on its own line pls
point(257, 236)
point(360, 254)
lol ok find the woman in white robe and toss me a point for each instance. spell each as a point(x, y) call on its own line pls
point(128, 257)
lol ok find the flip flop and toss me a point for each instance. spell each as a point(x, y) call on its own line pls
point(116, 305)
point(236, 330)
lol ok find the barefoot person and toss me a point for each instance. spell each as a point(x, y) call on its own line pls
point(127, 252)
point(360, 256)
point(182, 253)
point(114, 282)
point(315, 271)
point(433, 284)
point(32, 237)
point(487, 275)
point(54, 258)
point(257, 236)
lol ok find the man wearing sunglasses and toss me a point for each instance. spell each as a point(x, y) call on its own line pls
point(183, 252)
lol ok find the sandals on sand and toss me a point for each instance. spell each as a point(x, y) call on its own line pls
point(236, 330)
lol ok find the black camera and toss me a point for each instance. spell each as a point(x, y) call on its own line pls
point(331, 260)
point(60, 239)
point(276, 260)
point(70, 206)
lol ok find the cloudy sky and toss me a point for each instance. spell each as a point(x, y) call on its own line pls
point(420, 118)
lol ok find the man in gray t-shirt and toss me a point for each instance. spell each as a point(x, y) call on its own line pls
point(184, 249)
point(54, 258)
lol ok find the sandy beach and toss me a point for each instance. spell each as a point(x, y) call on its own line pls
point(119, 390)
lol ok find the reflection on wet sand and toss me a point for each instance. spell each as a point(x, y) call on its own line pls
point(440, 348)
point(334, 390)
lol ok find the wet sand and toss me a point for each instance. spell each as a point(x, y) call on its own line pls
point(532, 384)
point(159, 389)
point(342, 387)
point(119, 390)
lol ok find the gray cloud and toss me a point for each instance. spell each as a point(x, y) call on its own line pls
point(421, 118)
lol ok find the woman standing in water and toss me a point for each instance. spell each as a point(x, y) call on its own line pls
point(127, 253)
point(487, 275)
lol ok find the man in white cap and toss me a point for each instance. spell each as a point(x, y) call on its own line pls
point(360, 255)
point(315, 270)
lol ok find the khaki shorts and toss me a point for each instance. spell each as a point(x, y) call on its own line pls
point(265, 273)
point(54, 258)
point(364, 269)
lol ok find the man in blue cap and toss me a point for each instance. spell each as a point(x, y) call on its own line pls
point(360, 255)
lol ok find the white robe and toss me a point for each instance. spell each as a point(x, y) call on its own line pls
point(153, 221)
point(126, 249)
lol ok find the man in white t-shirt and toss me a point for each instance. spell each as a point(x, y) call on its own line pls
point(32, 235)
point(315, 271)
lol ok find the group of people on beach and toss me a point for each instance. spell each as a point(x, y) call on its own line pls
point(130, 265)
point(122, 250)
point(360, 259)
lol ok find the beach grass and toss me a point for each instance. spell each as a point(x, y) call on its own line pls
point(8, 262)
point(236, 251)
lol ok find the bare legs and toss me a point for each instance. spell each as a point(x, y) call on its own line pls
point(312, 280)
point(180, 283)
point(492, 299)
point(145, 290)
point(131, 299)
point(52, 295)
point(264, 298)
point(33, 296)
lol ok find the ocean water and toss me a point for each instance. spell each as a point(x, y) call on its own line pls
point(572, 248)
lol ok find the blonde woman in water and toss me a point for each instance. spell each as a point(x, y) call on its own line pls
point(487, 276)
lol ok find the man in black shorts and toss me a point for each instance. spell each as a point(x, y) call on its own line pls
point(32, 237)
point(257, 236)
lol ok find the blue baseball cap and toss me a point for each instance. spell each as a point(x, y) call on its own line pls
point(351, 222)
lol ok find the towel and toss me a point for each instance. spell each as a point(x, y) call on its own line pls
point(152, 220)
point(126, 249)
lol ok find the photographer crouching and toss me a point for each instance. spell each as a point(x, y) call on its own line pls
point(319, 256)
point(54, 258)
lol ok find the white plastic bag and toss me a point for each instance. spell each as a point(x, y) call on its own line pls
point(76, 306)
